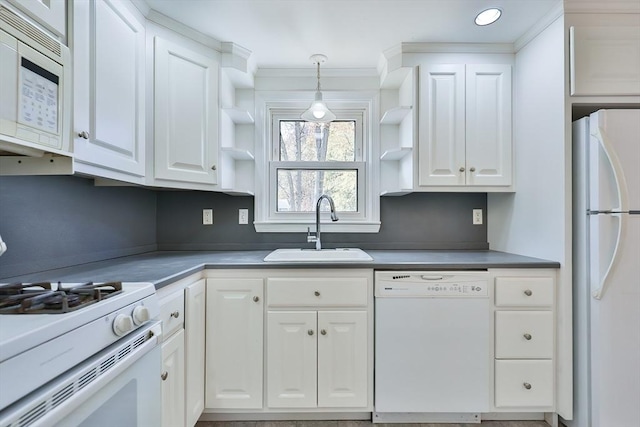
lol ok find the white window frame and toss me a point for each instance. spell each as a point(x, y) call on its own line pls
point(271, 107)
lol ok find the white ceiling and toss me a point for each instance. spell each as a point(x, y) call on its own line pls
point(352, 33)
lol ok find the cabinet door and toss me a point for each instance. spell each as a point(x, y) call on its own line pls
point(109, 55)
point(186, 114)
point(342, 359)
point(488, 124)
point(173, 381)
point(234, 343)
point(50, 13)
point(291, 359)
point(442, 130)
point(195, 303)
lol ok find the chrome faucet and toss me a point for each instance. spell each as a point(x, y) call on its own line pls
point(316, 238)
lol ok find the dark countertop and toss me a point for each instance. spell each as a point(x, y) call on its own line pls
point(165, 267)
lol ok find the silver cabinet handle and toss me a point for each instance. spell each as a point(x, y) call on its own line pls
point(527, 386)
point(316, 293)
point(256, 298)
point(84, 134)
point(528, 292)
point(175, 314)
point(527, 337)
point(164, 375)
point(213, 168)
point(310, 332)
point(461, 168)
point(323, 331)
point(472, 169)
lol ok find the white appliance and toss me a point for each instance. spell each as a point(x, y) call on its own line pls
point(606, 271)
point(35, 82)
point(432, 346)
point(79, 355)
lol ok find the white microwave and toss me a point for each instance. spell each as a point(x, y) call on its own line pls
point(35, 83)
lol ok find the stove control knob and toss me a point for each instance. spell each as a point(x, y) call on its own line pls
point(122, 324)
point(140, 315)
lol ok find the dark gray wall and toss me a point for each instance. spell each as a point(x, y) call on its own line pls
point(414, 221)
point(57, 221)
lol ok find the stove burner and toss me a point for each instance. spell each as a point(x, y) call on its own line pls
point(39, 298)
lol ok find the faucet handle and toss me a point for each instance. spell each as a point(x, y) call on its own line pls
point(310, 238)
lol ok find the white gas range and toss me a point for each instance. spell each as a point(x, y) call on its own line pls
point(69, 352)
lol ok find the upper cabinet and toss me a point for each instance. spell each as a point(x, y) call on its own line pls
point(52, 14)
point(109, 72)
point(605, 60)
point(465, 135)
point(186, 79)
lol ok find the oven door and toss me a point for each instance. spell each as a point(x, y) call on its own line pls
point(120, 386)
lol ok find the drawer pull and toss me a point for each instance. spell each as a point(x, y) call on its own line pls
point(527, 337)
point(527, 386)
point(310, 332)
point(528, 292)
point(175, 314)
point(164, 375)
point(316, 293)
point(323, 331)
point(256, 298)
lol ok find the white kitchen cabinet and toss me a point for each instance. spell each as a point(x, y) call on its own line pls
point(52, 14)
point(317, 356)
point(173, 381)
point(195, 309)
point(605, 60)
point(234, 337)
point(465, 135)
point(185, 114)
point(524, 340)
point(109, 90)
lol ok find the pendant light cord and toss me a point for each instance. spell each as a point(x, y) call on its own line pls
point(318, 76)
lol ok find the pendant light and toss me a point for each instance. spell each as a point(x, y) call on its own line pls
point(318, 111)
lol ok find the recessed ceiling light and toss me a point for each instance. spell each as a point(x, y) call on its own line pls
point(488, 16)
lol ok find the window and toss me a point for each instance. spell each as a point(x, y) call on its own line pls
point(302, 161)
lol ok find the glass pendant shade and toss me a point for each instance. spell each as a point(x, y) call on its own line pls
point(318, 111)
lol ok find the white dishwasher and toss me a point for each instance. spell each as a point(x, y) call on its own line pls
point(432, 342)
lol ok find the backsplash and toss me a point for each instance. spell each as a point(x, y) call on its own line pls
point(56, 221)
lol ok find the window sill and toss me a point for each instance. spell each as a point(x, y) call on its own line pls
point(325, 227)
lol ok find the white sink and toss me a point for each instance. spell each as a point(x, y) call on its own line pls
point(312, 255)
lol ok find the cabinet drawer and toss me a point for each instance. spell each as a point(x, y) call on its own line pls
point(524, 291)
point(524, 334)
point(172, 313)
point(311, 291)
point(524, 383)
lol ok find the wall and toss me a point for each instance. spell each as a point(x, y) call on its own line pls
point(56, 221)
point(414, 221)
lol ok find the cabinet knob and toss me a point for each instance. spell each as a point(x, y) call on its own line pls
point(84, 134)
point(528, 292)
point(164, 375)
point(527, 337)
point(213, 168)
point(316, 293)
point(472, 169)
point(256, 298)
point(461, 168)
point(175, 314)
point(527, 386)
point(323, 331)
point(310, 332)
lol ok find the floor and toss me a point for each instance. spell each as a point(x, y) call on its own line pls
point(362, 424)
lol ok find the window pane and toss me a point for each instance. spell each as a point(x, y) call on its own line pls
point(298, 190)
point(305, 141)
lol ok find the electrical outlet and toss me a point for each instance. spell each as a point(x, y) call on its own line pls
point(477, 217)
point(243, 216)
point(207, 216)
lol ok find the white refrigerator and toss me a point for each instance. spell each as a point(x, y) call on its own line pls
point(606, 270)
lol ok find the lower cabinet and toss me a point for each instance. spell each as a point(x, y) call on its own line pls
point(173, 381)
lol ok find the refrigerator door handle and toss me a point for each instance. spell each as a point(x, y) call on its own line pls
point(599, 293)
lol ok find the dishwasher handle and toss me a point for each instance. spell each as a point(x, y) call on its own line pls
point(431, 278)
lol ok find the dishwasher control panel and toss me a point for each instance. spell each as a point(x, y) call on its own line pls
point(431, 285)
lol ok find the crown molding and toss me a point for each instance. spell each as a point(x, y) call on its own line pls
point(600, 6)
point(312, 72)
point(420, 47)
point(551, 16)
